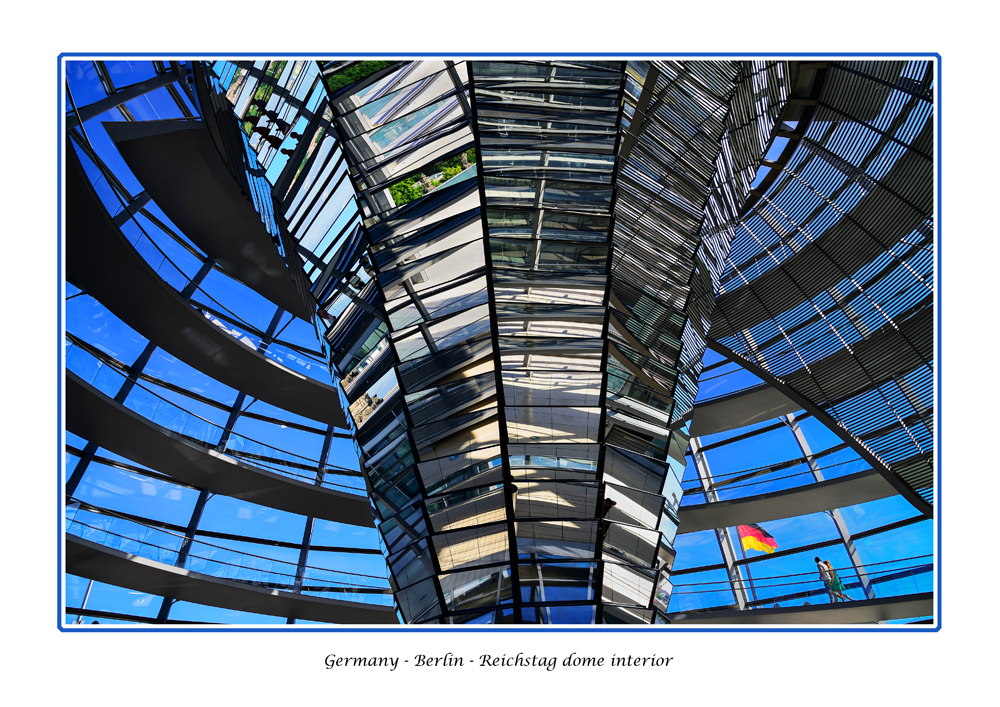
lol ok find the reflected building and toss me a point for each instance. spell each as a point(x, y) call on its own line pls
point(550, 293)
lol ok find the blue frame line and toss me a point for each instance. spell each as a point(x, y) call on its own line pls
point(60, 297)
point(937, 361)
point(60, 575)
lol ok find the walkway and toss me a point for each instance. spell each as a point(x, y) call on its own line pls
point(102, 262)
point(815, 497)
point(103, 564)
point(99, 419)
point(730, 412)
point(180, 167)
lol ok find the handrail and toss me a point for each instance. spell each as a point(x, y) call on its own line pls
point(719, 396)
point(744, 484)
point(881, 583)
point(236, 566)
point(201, 430)
point(771, 467)
point(813, 573)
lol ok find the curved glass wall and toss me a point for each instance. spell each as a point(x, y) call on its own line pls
point(116, 502)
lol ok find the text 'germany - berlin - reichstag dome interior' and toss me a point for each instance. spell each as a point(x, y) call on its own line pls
point(512, 341)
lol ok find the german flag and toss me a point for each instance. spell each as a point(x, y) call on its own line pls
point(754, 537)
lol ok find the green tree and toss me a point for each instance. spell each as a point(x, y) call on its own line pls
point(407, 190)
point(352, 74)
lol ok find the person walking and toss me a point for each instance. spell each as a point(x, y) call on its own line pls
point(824, 574)
point(836, 588)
